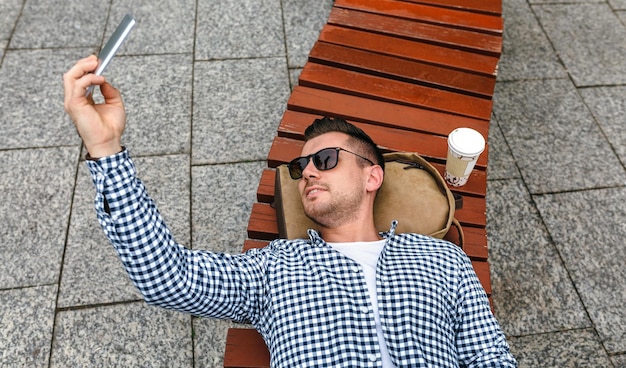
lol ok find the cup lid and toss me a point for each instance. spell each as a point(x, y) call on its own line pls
point(466, 142)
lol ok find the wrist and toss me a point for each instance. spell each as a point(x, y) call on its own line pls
point(97, 152)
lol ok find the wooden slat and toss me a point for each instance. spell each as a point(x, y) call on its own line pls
point(402, 69)
point(253, 244)
point(412, 50)
point(388, 138)
point(263, 224)
point(353, 108)
point(483, 273)
point(453, 18)
point(379, 88)
point(472, 214)
point(245, 348)
point(493, 7)
point(430, 33)
point(475, 243)
point(265, 190)
point(284, 150)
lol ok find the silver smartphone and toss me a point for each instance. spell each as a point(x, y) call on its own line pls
point(112, 45)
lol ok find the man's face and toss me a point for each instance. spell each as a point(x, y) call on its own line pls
point(332, 197)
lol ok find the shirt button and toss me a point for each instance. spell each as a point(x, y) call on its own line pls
point(365, 310)
point(372, 357)
point(355, 269)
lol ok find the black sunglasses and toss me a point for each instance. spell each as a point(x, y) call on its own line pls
point(324, 159)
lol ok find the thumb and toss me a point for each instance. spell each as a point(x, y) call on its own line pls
point(111, 95)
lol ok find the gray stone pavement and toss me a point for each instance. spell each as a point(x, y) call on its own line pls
point(206, 83)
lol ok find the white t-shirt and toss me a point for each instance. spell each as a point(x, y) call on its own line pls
point(366, 254)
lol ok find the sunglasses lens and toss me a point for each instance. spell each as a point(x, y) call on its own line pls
point(325, 159)
point(297, 166)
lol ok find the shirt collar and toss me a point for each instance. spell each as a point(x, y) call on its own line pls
point(315, 237)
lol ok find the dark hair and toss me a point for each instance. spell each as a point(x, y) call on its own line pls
point(359, 138)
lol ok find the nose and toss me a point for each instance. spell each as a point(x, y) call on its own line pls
point(310, 170)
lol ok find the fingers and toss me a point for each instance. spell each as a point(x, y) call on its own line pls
point(78, 78)
point(111, 95)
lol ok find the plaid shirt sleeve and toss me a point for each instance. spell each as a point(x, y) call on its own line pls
point(166, 273)
point(479, 339)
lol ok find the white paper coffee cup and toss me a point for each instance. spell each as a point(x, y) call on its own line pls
point(464, 147)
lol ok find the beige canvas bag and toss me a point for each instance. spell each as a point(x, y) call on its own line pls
point(413, 192)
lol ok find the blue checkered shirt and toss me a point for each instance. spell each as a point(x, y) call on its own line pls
point(309, 302)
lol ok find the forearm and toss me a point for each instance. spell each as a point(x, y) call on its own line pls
point(166, 273)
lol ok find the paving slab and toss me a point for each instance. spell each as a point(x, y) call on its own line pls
point(92, 271)
point(157, 94)
point(60, 23)
point(124, 335)
point(163, 27)
point(9, 12)
point(26, 317)
point(502, 164)
point(574, 348)
point(3, 46)
point(618, 4)
point(590, 40)
point(526, 51)
point(532, 291)
point(222, 197)
point(589, 230)
point(236, 29)
point(608, 106)
point(303, 22)
point(619, 361)
point(210, 340)
point(32, 112)
point(37, 188)
point(294, 75)
point(554, 137)
point(237, 107)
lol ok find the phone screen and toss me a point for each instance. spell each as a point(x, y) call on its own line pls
point(112, 45)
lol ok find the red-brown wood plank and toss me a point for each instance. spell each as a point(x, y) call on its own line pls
point(284, 150)
point(453, 18)
point(263, 224)
point(430, 33)
point(412, 50)
point(379, 88)
point(493, 7)
point(402, 69)
point(254, 244)
point(388, 139)
point(386, 136)
point(475, 243)
point(471, 204)
point(354, 108)
point(265, 190)
point(472, 214)
point(245, 348)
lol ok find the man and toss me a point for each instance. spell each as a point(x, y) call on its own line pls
point(348, 296)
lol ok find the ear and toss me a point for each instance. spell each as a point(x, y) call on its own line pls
point(375, 178)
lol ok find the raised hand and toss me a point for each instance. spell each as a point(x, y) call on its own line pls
point(99, 125)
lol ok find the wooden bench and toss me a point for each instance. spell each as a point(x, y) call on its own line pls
point(408, 73)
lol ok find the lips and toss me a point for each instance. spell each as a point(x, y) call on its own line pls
point(312, 190)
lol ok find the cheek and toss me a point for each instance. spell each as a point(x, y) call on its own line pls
point(301, 185)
